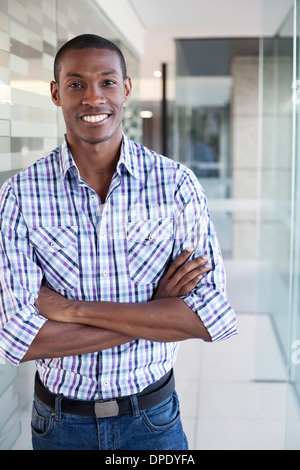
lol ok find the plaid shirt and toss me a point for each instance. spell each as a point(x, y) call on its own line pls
point(54, 230)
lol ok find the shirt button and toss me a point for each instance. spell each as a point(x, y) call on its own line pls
point(105, 383)
point(104, 273)
point(92, 198)
point(52, 244)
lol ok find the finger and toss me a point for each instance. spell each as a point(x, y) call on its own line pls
point(189, 287)
point(181, 265)
point(184, 284)
point(193, 276)
point(189, 267)
point(178, 262)
point(193, 279)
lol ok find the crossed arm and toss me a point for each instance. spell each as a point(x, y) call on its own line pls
point(78, 327)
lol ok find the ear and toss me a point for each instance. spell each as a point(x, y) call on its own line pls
point(127, 89)
point(55, 93)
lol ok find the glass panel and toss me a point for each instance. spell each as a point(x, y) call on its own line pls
point(28, 130)
point(8, 407)
point(7, 376)
point(216, 132)
point(293, 403)
point(276, 203)
point(9, 402)
point(9, 436)
point(280, 217)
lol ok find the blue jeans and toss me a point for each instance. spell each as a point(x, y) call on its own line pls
point(157, 428)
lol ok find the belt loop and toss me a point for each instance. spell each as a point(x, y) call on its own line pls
point(135, 406)
point(57, 410)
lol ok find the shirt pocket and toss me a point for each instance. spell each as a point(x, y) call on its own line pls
point(56, 249)
point(149, 247)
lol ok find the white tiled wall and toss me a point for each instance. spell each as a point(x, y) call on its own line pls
point(30, 33)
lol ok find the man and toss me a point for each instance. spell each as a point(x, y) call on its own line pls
point(105, 248)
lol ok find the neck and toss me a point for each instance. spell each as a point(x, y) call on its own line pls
point(97, 163)
point(96, 155)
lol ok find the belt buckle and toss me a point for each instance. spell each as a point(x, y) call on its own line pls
point(106, 409)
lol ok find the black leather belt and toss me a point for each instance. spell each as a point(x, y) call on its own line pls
point(151, 396)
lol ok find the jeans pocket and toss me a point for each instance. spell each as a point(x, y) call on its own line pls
point(41, 419)
point(164, 415)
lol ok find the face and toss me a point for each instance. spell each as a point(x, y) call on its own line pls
point(92, 93)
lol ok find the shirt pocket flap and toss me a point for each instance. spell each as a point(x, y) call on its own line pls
point(56, 251)
point(149, 247)
point(149, 231)
point(53, 238)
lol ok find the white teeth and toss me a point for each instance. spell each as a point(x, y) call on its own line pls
point(98, 118)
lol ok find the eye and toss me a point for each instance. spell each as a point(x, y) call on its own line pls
point(109, 82)
point(75, 85)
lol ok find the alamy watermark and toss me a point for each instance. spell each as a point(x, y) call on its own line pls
point(295, 358)
point(296, 92)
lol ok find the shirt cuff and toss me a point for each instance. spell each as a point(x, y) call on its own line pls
point(217, 315)
point(18, 333)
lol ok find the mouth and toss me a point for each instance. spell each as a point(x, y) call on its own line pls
point(94, 118)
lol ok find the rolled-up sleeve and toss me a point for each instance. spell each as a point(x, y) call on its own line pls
point(20, 280)
point(194, 227)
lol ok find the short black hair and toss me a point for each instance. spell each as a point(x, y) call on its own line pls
point(87, 41)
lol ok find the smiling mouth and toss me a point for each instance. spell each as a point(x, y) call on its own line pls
point(95, 118)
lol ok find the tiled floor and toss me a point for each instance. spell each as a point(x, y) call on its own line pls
point(223, 405)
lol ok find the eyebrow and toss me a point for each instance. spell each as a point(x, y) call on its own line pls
point(102, 74)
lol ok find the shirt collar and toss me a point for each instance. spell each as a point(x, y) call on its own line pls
point(67, 161)
point(129, 158)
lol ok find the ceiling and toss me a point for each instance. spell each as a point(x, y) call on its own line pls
point(166, 20)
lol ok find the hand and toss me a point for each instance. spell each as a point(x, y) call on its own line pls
point(52, 305)
point(182, 276)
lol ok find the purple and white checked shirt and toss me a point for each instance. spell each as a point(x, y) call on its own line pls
point(55, 230)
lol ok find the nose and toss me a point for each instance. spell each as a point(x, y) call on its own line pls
point(94, 96)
